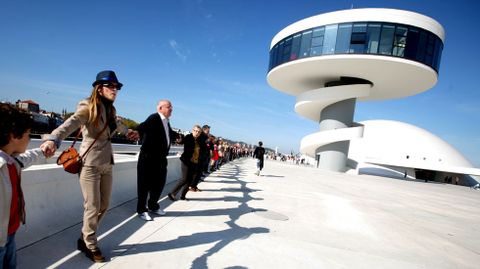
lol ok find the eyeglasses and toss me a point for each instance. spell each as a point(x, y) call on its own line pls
point(112, 86)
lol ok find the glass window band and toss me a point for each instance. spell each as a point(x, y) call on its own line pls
point(377, 38)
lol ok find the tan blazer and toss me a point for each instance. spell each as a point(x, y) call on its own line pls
point(101, 152)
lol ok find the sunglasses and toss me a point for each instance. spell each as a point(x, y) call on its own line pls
point(112, 86)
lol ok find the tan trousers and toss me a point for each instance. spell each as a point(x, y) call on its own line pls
point(96, 185)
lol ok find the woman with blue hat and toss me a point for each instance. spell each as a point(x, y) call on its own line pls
point(96, 116)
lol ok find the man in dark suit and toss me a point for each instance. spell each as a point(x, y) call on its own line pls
point(156, 135)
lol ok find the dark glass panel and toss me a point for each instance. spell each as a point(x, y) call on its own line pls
point(288, 41)
point(270, 59)
point(359, 27)
point(280, 52)
point(373, 37)
point(343, 38)
point(295, 47)
point(399, 45)
point(287, 46)
point(317, 41)
point(320, 31)
point(306, 44)
point(318, 36)
point(330, 39)
point(386, 39)
point(399, 42)
point(275, 56)
point(428, 59)
point(422, 46)
point(435, 54)
point(286, 53)
point(430, 50)
point(315, 51)
point(401, 31)
point(438, 54)
point(411, 45)
point(358, 48)
point(358, 38)
point(430, 44)
point(358, 44)
point(398, 51)
point(271, 63)
point(400, 37)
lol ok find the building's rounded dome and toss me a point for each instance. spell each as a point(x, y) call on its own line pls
point(386, 141)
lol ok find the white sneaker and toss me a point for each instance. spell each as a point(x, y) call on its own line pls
point(145, 216)
point(159, 212)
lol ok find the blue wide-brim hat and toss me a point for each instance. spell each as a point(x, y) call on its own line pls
point(106, 76)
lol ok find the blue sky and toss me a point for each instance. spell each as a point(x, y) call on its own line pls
point(210, 58)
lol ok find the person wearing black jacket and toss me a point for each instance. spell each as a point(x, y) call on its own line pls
point(204, 158)
point(192, 150)
point(258, 154)
point(156, 136)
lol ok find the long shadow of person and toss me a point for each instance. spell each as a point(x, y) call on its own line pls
point(222, 237)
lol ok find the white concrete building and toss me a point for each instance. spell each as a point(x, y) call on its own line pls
point(330, 61)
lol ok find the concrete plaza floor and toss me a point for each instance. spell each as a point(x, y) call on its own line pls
point(288, 217)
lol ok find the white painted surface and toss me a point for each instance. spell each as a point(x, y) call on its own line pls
point(394, 140)
point(391, 77)
point(310, 143)
point(388, 142)
point(311, 103)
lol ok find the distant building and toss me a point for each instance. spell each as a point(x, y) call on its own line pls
point(28, 105)
point(43, 121)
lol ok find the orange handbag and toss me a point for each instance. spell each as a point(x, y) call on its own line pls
point(71, 160)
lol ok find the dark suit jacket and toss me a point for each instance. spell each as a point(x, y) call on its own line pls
point(189, 147)
point(205, 154)
point(152, 137)
point(259, 152)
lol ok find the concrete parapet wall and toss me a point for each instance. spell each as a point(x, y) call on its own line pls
point(54, 200)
